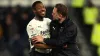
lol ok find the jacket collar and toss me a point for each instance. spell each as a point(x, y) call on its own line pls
point(64, 22)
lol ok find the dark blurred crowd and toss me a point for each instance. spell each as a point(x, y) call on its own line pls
point(13, 35)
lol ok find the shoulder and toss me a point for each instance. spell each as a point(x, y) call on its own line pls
point(31, 22)
point(70, 24)
point(47, 19)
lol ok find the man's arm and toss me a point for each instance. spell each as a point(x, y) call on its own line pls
point(68, 35)
point(40, 44)
point(43, 46)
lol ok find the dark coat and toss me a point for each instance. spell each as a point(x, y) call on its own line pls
point(61, 35)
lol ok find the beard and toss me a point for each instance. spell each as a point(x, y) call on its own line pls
point(57, 19)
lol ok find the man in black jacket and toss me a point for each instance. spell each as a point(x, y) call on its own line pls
point(63, 34)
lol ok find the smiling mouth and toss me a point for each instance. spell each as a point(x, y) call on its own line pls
point(42, 12)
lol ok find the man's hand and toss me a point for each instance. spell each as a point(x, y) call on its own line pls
point(37, 39)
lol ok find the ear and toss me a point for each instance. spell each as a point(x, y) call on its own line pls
point(34, 10)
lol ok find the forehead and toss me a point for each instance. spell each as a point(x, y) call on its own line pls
point(39, 5)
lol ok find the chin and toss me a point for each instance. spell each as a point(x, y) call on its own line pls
point(42, 15)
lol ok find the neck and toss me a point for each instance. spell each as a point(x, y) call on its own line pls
point(39, 18)
point(62, 19)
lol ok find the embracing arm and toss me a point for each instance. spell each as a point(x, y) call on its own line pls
point(39, 45)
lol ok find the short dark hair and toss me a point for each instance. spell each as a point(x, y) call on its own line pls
point(62, 9)
point(35, 3)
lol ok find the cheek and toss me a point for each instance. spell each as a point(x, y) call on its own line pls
point(52, 15)
point(44, 9)
point(38, 12)
point(56, 16)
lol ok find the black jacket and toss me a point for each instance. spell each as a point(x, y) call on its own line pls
point(61, 35)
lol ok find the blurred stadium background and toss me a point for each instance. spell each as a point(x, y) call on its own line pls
point(15, 14)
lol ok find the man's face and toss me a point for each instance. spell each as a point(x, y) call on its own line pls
point(40, 10)
point(55, 14)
